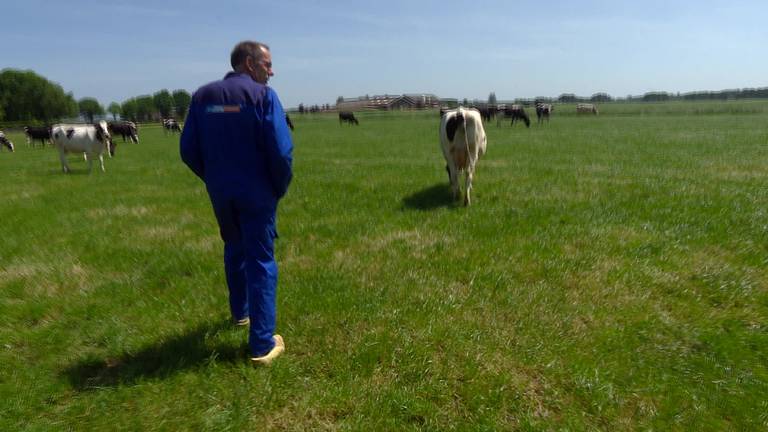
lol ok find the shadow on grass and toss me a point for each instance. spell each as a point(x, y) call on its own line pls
point(73, 172)
point(433, 197)
point(174, 354)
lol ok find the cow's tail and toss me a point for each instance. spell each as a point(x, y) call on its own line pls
point(470, 162)
point(461, 118)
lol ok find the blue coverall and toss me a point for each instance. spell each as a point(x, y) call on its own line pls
point(236, 140)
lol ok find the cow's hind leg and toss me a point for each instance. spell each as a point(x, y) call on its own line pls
point(468, 187)
point(453, 177)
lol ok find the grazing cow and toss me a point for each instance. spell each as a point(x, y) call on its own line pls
point(585, 108)
point(444, 110)
point(514, 112)
point(487, 113)
point(171, 125)
point(5, 142)
point(543, 111)
point(42, 133)
point(288, 120)
point(463, 141)
point(92, 140)
point(124, 129)
point(347, 116)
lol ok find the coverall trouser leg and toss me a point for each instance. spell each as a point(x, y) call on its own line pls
point(250, 268)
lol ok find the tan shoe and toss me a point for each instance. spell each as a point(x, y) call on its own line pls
point(241, 322)
point(266, 360)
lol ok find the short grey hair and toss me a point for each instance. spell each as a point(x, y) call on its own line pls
point(247, 49)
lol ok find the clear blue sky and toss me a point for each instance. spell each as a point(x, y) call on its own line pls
point(113, 50)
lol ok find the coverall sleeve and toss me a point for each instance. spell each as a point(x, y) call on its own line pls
point(279, 147)
point(189, 146)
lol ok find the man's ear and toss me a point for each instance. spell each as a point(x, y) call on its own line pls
point(250, 65)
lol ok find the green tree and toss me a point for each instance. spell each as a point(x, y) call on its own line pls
point(181, 100)
point(145, 108)
point(163, 103)
point(130, 110)
point(656, 97)
point(114, 109)
point(27, 96)
point(601, 97)
point(89, 107)
point(492, 98)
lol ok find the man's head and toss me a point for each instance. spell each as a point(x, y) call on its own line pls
point(254, 59)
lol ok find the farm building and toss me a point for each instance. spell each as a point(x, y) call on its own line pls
point(388, 102)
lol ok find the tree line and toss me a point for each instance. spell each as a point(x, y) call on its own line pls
point(655, 96)
point(28, 97)
point(661, 96)
point(745, 93)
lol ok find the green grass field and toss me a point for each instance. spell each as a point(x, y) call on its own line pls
point(611, 274)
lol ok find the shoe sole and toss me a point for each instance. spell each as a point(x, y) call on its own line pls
point(276, 351)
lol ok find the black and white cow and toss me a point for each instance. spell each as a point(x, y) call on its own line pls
point(463, 141)
point(543, 111)
point(347, 116)
point(513, 112)
point(171, 125)
point(5, 142)
point(124, 129)
point(42, 133)
point(91, 140)
point(487, 113)
point(586, 108)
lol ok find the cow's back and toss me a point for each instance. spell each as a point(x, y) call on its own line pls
point(76, 138)
point(467, 141)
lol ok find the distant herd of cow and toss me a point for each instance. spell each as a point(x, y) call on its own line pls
point(126, 129)
point(517, 112)
point(92, 140)
point(462, 136)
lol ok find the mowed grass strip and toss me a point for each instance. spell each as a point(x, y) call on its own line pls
point(611, 274)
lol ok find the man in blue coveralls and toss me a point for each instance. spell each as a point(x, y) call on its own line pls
point(236, 140)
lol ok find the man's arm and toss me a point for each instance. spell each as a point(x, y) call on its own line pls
point(278, 144)
point(189, 146)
